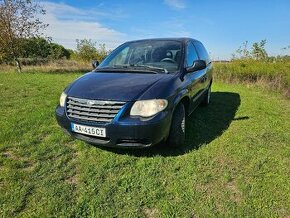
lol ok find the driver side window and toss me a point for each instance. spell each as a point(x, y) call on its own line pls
point(191, 54)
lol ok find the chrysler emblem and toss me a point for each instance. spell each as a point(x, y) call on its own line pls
point(90, 102)
point(95, 102)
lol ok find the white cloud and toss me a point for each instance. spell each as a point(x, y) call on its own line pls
point(175, 4)
point(67, 23)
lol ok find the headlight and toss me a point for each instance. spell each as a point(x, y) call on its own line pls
point(148, 108)
point(62, 99)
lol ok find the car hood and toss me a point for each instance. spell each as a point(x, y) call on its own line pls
point(113, 86)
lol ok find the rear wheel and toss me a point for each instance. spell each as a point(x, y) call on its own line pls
point(176, 136)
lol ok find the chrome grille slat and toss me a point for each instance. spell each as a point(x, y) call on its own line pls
point(91, 119)
point(96, 106)
point(91, 114)
point(85, 101)
point(93, 110)
point(97, 111)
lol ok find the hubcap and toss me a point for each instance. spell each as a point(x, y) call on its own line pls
point(183, 124)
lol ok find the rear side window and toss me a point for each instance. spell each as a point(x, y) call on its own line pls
point(191, 54)
point(203, 55)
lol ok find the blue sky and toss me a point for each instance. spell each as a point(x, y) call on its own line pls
point(221, 25)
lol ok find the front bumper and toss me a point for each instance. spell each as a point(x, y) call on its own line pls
point(122, 131)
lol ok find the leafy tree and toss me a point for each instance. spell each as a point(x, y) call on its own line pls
point(256, 52)
point(102, 52)
point(58, 51)
point(18, 20)
point(42, 48)
point(259, 51)
point(243, 51)
point(86, 50)
point(34, 48)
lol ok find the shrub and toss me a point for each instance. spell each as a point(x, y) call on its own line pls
point(275, 75)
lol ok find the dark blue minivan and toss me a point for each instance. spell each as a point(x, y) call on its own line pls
point(139, 95)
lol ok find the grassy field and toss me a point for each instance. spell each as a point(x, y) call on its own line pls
point(236, 161)
point(53, 66)
point(272, 75)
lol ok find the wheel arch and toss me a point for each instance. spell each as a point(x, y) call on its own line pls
point(185, 101)
point(183, 98)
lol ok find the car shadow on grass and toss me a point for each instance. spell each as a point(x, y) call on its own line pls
point(203, 126)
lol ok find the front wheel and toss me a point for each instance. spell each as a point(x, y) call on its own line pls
point(176, 136)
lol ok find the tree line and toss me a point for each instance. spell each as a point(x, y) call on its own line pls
point(257, 52)
point(22, 37)
point(38, 50)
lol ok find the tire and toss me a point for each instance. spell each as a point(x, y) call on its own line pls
point(176, 136)
point(206, 100)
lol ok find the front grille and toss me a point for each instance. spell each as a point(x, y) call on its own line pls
point(92, 110)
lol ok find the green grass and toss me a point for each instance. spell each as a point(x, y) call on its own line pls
point(236, 161)
point(53, 66)
point(273, 75)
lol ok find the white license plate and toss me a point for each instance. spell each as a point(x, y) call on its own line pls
point(88, 130)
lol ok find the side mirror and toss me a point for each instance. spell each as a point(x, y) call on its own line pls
point(197, 65)
point(95, 64)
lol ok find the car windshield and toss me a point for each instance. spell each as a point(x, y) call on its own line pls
point(155, 56)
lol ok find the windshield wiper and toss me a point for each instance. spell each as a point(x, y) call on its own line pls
point(149, 67)
point(127, 68)
point(111, 68)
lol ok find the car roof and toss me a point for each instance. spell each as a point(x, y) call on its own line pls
point(181, 39)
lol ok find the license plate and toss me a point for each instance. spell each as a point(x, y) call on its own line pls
point(88, 130)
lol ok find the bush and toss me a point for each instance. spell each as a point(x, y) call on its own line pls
point(42, 48)
point(87, 51)
point(276, 74)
